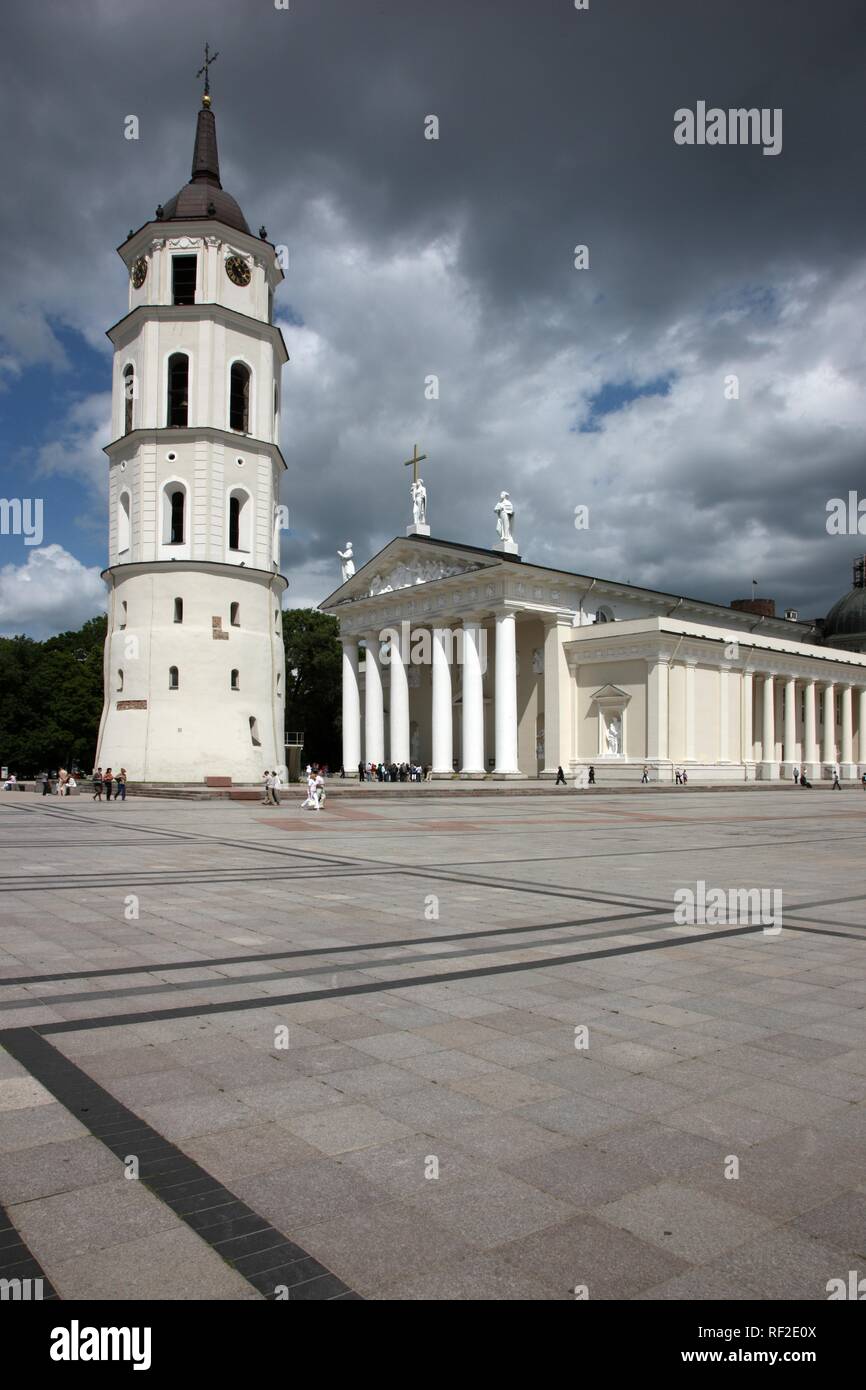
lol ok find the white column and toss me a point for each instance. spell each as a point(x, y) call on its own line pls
point(473, 701)
point(505, 714)
point(829, 750)
point(658, 686)
point(748, 738)
point(558, 684)
point(398, 704)
point(770, 767)
point(846, 755)
point(810, 737)
point(374, 705)
point(690, 711)
point(724, 714)
point(351, 707)
point(789, 747)
point(861, 725)
point(443, 752)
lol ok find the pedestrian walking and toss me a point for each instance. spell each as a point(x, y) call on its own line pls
point(276, 783)
point(836, 782)
point(591, 775)
point(46, 784)
point(796, 775)
point(121, 785)
point(108, 782)
point(319, 793)
point(560, 778)
point(645, 775)
point(97, 784)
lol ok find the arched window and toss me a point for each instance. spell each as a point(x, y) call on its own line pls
point(254, 732)
point(178, 391)
point(235, 615)
point(128, 396)
point(236, 680)
point(120, 680)
point(239, 397)
point(173, 678)
point(123, 523)
point(178, 610)
point(177, 500)
point(240, 520)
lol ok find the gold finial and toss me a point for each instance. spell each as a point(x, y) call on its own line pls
point(205, 101)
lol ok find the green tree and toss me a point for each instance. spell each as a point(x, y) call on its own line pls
point(313, 682)
point(51, 699)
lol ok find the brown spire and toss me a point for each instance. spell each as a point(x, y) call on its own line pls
point(205, 158)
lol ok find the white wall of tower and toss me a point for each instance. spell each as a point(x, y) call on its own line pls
point(202, 695)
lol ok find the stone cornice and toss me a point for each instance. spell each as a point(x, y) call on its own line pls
point(120, 332)
point(180, 435)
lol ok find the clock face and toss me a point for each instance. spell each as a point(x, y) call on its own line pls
point(139, 272)
point(237, 270)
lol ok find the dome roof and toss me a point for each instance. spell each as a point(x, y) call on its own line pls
point(845, 624)
point(204, 195)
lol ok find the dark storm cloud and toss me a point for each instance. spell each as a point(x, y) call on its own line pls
point(454, 257)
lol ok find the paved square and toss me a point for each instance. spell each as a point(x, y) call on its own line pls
point(267, 1053)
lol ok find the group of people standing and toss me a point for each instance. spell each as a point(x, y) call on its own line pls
point(110, 782)
point(392, 772)
point(271, 784)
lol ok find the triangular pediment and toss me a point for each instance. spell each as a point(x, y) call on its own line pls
point(410, 562)
point(610, 692)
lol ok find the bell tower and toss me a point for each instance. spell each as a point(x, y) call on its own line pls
point(194, 660)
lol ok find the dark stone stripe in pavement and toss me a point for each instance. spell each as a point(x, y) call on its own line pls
point(18, 1263)
point(147, 968)
point(228, 1225)
point(272, 1001)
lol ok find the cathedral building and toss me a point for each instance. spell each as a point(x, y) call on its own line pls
point(194, 661)
point(479, 663)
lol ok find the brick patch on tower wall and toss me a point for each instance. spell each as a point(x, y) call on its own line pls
point(132, 704)
point(218, 634)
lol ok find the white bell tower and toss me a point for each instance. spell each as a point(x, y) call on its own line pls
point(194, 660)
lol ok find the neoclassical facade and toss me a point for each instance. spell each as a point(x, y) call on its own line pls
point(477, 662)
point(194, 661)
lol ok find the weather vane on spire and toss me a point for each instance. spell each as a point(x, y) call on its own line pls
point(204, 69)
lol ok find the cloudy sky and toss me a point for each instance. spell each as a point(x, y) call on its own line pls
point(409, 257)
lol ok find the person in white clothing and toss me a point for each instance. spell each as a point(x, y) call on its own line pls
point(320, 791)
point(276, 783)
point(311, 794)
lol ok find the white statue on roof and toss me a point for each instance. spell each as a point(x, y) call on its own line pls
point(347, 561)
point(504, 510)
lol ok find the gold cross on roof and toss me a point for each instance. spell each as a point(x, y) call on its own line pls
point(414, 461)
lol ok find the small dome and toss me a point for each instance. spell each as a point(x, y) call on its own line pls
point(204, 195)
point(845, 624)
point(205, 200)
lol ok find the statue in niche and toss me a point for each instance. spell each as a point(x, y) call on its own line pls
point(347, 561)
point(537, 660)
point(504, 510)
point(613, 736)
